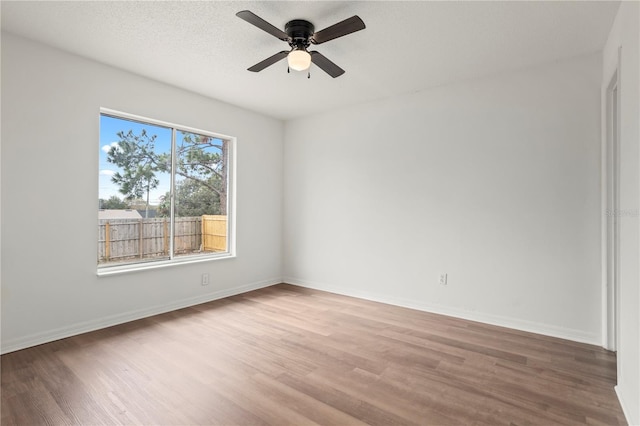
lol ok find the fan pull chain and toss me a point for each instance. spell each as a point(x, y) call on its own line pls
point(309, 74)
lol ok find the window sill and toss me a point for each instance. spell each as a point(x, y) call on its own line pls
point(137, 267)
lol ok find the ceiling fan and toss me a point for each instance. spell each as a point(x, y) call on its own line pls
point(300, 34)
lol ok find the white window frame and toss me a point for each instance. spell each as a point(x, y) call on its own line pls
point(105, 270)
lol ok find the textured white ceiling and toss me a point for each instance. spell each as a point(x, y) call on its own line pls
point(407, 46)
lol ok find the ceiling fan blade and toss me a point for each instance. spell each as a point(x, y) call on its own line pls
point(269, 61)
point(326, 65)
point(254, 19)
point(348, 26)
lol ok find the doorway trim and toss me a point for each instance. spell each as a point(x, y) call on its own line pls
point(610, 206)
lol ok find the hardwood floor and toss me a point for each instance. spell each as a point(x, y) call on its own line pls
point(286, 355)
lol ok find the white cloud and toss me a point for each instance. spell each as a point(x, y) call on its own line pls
point(107, 148)
point(107, 172)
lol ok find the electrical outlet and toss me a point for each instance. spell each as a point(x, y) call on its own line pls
point(443, 279)
point(205, 279)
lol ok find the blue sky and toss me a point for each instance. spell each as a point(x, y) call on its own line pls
point(109, 127)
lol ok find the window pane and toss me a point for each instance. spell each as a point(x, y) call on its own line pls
point(200, 194)
point(134, 176)
point(163, 192)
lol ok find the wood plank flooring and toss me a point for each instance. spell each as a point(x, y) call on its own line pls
point(285, 355)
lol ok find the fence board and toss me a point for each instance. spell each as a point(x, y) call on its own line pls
point(187, 236)
point(214, 233)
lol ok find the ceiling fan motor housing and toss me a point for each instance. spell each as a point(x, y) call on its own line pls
point(299, 32)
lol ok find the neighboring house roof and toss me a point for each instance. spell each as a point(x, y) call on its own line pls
point(118, 214)
point(152, 213)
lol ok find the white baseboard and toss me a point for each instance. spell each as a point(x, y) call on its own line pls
point(514, 323)
point(24, 342)
point(84, 327)
point(625, 410)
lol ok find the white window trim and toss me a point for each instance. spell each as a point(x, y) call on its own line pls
point(107, 270)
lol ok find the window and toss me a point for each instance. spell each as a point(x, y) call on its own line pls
point(164, 193)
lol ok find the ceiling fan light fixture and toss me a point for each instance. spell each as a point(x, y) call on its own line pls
point(299, 60)
point(299, 35)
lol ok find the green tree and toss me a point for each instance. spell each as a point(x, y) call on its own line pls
point(113, 202)
point(191, 199)
point(136, 155)
point(201, 162)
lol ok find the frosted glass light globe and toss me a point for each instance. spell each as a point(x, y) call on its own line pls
point(299, 60)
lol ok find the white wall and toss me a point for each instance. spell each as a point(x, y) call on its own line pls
point(495, 182)
point(625, 33)
point(50, 117)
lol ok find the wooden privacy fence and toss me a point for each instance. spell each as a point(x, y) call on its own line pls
point(214, 233)
point(128, 239)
